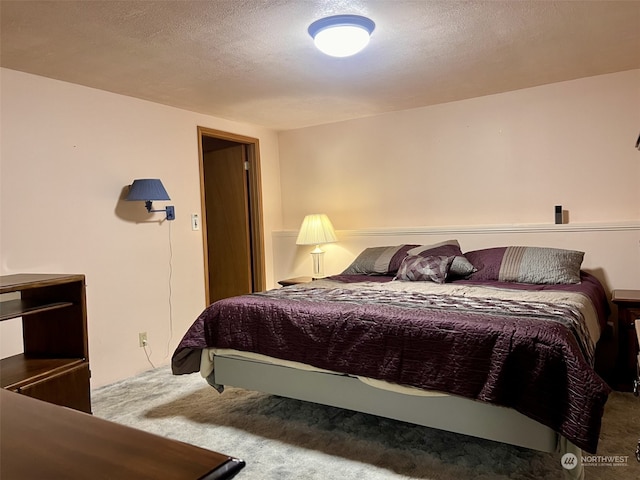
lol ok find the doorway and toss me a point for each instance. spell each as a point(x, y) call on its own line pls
point(230, 190)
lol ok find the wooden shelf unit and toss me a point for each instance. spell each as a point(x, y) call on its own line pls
point(55, 364)
point(628, 303)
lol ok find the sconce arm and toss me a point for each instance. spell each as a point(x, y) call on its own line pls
point(170, 210)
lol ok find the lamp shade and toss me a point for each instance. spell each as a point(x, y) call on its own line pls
point(316, 229)
point(147, 189)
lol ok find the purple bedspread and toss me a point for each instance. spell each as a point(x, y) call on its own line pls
point(532, 357)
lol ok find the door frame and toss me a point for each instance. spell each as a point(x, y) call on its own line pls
point(256, 228)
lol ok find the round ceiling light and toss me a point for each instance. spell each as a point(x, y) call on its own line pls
point(341, 35)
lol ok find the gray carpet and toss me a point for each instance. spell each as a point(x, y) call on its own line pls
point(287, 439)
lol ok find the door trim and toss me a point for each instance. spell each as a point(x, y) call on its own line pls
point(256, 234)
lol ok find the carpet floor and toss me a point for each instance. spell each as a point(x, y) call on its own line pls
point(284, 439)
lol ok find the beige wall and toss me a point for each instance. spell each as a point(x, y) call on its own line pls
point(494, 160)
point(67, 154)
point(68, 151)
point(486, 171)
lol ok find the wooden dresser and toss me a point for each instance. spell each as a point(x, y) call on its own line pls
point(55, 364)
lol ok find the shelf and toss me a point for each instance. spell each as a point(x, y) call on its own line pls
point(295, 281)
point(20, 370)
point(20, 308)
point(31, 281)
point(625, 296)
point(54, 365)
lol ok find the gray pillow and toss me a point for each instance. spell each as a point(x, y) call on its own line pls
point(536, 265)
point(461, 267)
point(378, 260)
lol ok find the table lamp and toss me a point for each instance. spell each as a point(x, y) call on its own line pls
point(316, 230)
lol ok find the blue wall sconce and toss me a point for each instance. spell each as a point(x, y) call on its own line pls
point(148, 190)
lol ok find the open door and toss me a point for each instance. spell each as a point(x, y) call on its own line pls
point(231, 214)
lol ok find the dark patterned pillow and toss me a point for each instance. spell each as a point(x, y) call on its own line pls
point(535, 265)
point(378, 260)
point(416, 268)
point(461, 267)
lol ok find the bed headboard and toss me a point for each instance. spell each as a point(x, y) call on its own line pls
point(612, 250)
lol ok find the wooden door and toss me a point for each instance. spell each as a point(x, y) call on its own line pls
point(227, 222)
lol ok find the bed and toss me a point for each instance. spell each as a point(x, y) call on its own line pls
point(496, 343)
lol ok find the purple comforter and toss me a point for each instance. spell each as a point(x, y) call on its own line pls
point(534, 357)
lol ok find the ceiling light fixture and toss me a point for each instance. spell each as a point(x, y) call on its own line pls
point(341, 35)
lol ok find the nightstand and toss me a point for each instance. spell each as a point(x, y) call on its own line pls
point(628, 302)
point(295, 281)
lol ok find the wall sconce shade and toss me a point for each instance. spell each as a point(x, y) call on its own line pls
point(147, 190)
point(341, 35)
point(316, 230)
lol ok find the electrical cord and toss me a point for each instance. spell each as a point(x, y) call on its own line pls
point(170, 294)
point(148, 354)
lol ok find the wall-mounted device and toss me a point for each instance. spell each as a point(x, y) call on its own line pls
point(559, 215)
point(195, 221)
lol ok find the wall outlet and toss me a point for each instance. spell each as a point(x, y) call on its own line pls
point(142, 338)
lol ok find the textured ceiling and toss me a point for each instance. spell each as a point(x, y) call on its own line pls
point(253, 61)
